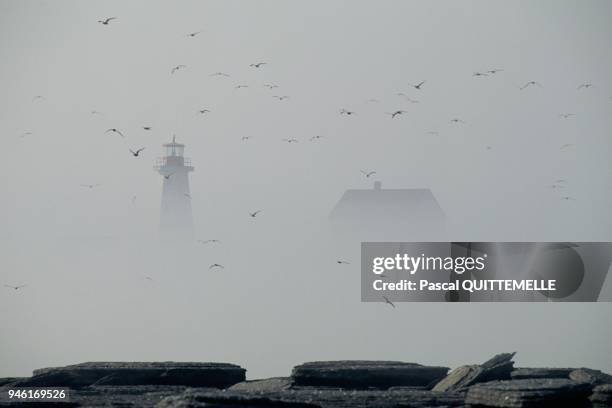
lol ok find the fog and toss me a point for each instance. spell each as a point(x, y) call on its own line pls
point(85, 253)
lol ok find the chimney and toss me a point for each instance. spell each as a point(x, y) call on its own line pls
point(377, 185)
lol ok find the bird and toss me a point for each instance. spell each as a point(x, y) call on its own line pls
point(203, 111)
point(280, 98)
point(193, 34)
point(106, 21)
point(567, 198)
point(585, 86)
point(494, 71)
point(246, 137)
point(340, 261)
point(149, 278)
point(167, 176)
point(418, 86)
point(146, 127)
point(566, 145)
point(258, 64)
point(566, 115)
point(373, 100)
point(15, 287)
point(368, 173)
point(114, 130)
point(387, 301)
point(241, 86)
point(95, 112)
point(317, 137)
point(219, 74)
point(90, 186)
point(254, 214)
point(290, 140)
point(209, 241)
point(176, 68)
point(531, 83)
point(346, 112)
point(187, 195)
point(479, 74)
point(556, 186)
point(24, 134)
point(397, 112)
point(137, 152)
point(216, 265)
point(456, 120)
point(271, 86)
point(37, 97)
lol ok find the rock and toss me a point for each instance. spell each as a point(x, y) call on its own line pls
point(365, 374)
point(498, 367)
point(523, 373)
point(265, 385)
point(602, 396)
point(217, 375)
point(591, 376)
point(529, 393)
point(316, 397)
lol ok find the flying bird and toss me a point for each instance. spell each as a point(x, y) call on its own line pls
point(373, 100)
point(258, 64)
point(146, 127)
point(397, 112)
point(203, 111)
point(479, 74)
point(24, 134)
point(254, 214)
point(193, 34)
point(37, 97)
point(530, 83)
point(280, 98)
point(290, 140)
point(90, 186)
point(346, 112)
point(114, 130)
point(176, 68)
point(15, 287)
point(368, 173)
point(340, 261)
point(108, 20)
point(209, 241)
point(167, 176)
point(566, 115)
point(246, 137)
point(585, 86)
point(149, 278)
point(418, 86)
point(137, 152)
point(387, 301)
point(216, 265)
point(219, 74)
point(317, 137)
point(187, 195)
point(241, 86)
point(494, 71)
point(566, 198)
point(271, 86)
point(566, 145)
point(456, 120)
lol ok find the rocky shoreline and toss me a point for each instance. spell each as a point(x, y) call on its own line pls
point(334, 384)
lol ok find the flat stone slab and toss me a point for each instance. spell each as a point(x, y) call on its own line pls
point(264, 385)
point(317, 397)
point(554, 392)
point(537, 372)
point(590, 376)
point(217, 375)
point(498, 367)
point(359, 374)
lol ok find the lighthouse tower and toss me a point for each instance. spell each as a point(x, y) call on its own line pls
point(176, 223)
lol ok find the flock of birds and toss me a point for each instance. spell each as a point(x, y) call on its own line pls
point(559, 184)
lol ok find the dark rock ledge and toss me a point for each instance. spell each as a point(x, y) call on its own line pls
point(327, 384)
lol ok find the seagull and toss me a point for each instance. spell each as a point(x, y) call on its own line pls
point(187, 195)
point(95, 112)
point(317, 137)
point(566, 115)
point(479, 74)
point(418, 86)
point(203, 111)
point(346, 112)
point(193, 34)
point(177, 68)
point(149, 278)
point(15, 287)
point(258, 64)
point(456, 120)
point(254, 214)
point(146, 127)
point(290, 140)
point(219, 74)
point(246, 137)
point(216, 265)
point(137, 152)
point(340, 261)
point(387, 301)
point(37, 97)
point(531, 83)
point(280, 98)
point(114, 130)
point(108, 20)
point(585, 86)
point(494, 71)
point(241, 86)
point(271, 86)
point(167, 176)
point(209, 241)
point(566, 145)
point(397, 112)
point(90, 186)
point(368, 173)
point(567, 198)
point(373, 100)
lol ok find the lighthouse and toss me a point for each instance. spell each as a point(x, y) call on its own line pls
point(176, 220)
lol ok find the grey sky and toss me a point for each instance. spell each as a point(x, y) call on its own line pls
point(83, 253)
